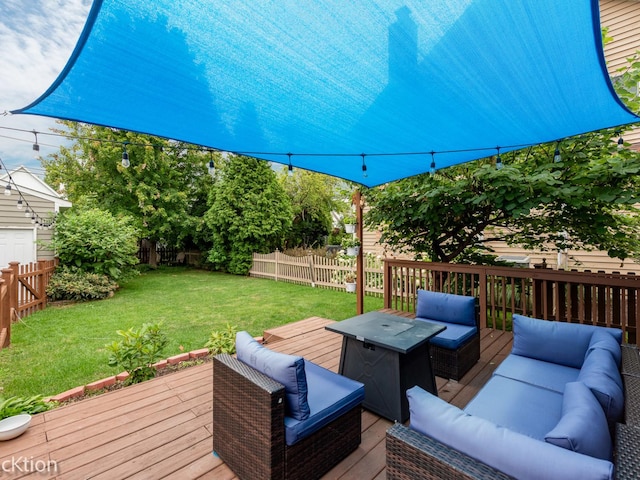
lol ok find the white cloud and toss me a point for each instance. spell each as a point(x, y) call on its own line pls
point(37, 39)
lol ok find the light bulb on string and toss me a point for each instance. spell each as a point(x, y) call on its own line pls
point(19, 204)
point(212, 166)
point(33, 218)
point(432, 167)
point(557, 157)
point(7, 189)
point(36, 147)
point(290, 166)
point(27, 212)
point(125, 156)
point(364, 167)
point(499, 164)
point(620, 143)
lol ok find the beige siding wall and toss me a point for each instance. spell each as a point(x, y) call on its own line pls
point(622, 17)
point(11, 217)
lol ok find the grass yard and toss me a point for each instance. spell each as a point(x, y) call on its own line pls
point(62, 347)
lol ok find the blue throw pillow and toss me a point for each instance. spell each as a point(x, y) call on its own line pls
point(583, 427)
point(600, 373)
point(285, 369)
point(603, 339)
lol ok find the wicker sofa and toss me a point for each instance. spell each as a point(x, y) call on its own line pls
point(457, 349)
point(549, 411)
point(277, 416)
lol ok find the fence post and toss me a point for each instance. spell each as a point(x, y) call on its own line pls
point(10, 276)
point(277, 256)
point(5, 315)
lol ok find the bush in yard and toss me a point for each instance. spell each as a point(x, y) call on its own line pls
point(77, 285)
point(96, 241)
point(222, 341)
point(137, 351)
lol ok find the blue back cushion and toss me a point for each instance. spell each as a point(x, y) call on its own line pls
point(583, 427)
point(603, 339)
point(446, 307)
point(600, 373)
point(286, 369)
point(556, 342)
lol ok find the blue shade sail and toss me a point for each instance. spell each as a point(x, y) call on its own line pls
point(342, 84)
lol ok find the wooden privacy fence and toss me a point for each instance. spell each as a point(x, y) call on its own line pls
point(605, 299)
point(317, 271)
point(22, 291)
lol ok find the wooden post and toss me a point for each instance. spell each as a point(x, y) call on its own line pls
point(5, 315)
point(357, 200)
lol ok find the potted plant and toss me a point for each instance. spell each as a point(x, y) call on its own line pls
point(352, 245)
point(349, 223)
point(350, 282)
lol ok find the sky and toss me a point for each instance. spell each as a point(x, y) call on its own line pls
point(37, 38)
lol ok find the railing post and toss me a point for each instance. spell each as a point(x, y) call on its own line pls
point(482, 293)
point(5, 315)
point(386, 284)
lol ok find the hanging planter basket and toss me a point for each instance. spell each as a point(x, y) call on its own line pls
point(350, 227)
point(353, 251)
point(350, 287)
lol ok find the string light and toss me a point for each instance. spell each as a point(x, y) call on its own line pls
point(27, 212)
point(7, 189)
point(499, 160)
point(620, 141)
point(36, 147)
point(125, 156)
point(212, 167)
point(557, 157)
point(19, 204)
point(432, 167)
point(364, 167)
point(290, 166)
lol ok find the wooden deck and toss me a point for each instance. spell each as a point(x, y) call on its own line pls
point(163, 427)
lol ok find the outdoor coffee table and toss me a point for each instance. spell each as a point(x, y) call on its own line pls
point(389, 354)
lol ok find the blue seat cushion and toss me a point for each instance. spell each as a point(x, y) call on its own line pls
point(289, 370)
point(518, 406)
point(517, 455)
point(600, 373)
point(604, 339)
point(583, 427)
point(454, 336)
point(555, 342)
point(446, 307)
point(536, 372)
point(330, 395)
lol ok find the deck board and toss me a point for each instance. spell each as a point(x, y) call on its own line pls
point(163, 428)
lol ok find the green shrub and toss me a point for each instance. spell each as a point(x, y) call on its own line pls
point(17, 405)
point(222, 341)
point(77, 285)
point(138, 351)
point(95, 241)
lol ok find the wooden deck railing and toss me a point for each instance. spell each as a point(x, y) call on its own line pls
point(605, 299)
point(22, 291)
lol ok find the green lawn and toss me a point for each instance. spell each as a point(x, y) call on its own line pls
point(62, 347)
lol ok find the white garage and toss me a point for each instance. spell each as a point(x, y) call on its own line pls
point(17, 245)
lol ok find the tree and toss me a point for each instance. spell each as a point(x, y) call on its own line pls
point(313, 198)
point(586, 200)
point(248, 212)
point(164, 189)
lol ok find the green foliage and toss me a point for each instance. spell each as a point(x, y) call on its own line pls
point(313, 197)
point(249, 212)
point(137, 351)
point(96, 241)
point(164, 190)
point(349, 241)
point(223, 341)
point(29, 405)
point(68, 283)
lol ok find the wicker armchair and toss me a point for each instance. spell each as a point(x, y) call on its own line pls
point(249, 428)
point(411, 455)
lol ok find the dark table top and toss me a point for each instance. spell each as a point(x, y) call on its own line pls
point(387, 331)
